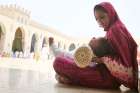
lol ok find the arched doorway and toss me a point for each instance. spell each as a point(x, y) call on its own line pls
point(0, 32)
point(64, 47)
point(72, 47)
point(17, 42)
point(44, 43)
point(59, 44)
point(44, 51)
point(2, 37)
point(33, 42)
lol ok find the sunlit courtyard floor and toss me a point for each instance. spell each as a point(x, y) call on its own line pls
point(30, 76)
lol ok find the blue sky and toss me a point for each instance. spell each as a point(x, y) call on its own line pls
point(75, 17)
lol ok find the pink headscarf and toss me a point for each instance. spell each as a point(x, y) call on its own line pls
point(121, 40)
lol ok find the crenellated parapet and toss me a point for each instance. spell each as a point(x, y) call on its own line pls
point(20, 14)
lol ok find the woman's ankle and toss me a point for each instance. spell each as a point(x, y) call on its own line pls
point(62, 79)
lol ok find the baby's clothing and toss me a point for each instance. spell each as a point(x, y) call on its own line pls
point(57, 51)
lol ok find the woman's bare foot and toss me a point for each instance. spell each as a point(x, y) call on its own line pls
point(62, 79)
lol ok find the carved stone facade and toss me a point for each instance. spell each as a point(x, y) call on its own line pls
point(18, 32)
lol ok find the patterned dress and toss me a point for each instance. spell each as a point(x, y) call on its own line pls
point(115, 70)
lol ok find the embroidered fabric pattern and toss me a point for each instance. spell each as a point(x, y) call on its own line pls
point(118, 70)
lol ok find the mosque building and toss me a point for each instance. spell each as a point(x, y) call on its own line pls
point(19, 33)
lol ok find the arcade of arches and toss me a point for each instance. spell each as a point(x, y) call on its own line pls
point(20, 33)
point(18, 42)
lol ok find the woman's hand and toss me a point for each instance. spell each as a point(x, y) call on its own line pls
point(97, 60)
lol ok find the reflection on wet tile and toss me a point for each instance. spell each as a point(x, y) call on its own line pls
point(15, 78)
point(38, 79)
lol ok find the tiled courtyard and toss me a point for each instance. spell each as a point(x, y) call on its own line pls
point(30, 76)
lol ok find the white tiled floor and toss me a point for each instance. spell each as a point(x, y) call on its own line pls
point(29, 76)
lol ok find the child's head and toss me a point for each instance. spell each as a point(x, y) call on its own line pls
point(101, 47)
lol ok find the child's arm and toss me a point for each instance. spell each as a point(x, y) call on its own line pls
point(57, 51)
